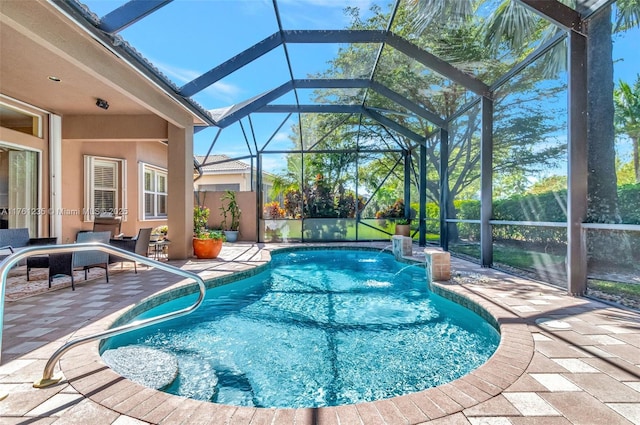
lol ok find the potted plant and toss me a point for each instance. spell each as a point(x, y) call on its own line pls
point(396, 212)
point(230, 215)
point(163, 230)
point(207, 243)
point(159, 233)
point(403, 227)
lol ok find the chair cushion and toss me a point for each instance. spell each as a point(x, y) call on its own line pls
point(91, 257)
point(14, 237)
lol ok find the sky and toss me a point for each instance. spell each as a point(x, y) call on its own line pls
point(187, 38)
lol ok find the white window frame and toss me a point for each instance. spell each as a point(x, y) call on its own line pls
point(156, 174)
point(120, 198)
point(36, 118)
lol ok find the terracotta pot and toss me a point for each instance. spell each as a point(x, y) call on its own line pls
point(206, 248)
point(403, 229)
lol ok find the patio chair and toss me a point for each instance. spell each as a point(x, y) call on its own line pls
point(138, 245)
point(39, 261)
point(13, 239)
point(65, 264)
point(110, 223)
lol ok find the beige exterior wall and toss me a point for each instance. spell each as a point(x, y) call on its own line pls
point(38, 39)
point(243, 179)
point(73, 152)
point(180, 207)
point(246, 202)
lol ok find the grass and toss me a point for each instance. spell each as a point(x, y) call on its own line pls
point(513, 257)
point(525, 259)
point(531, 260)
point(616, 288)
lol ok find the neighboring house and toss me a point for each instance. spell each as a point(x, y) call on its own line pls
point(220, 173)
point(83, 131)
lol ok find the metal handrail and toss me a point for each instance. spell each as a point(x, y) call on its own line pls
point(12, 260)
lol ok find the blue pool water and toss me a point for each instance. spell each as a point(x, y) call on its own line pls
point(319, 328)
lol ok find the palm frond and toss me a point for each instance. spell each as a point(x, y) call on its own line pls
point(510, 23)
point(628, 15)
point(427, 12)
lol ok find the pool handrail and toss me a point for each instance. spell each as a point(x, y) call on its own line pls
point(13, 259)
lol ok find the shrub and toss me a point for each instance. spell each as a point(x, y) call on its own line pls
point(273, 211)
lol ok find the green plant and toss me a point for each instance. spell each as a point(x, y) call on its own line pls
point(210, 234)
point(273, 211)
point(200, 218)
point(230, 209)
point(161, 230)
point(396, 211)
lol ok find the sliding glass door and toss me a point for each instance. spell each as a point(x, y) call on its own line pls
point(19, 189)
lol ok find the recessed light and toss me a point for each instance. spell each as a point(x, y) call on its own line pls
point(53, 78)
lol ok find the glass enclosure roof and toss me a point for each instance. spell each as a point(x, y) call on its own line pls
point(238, 59)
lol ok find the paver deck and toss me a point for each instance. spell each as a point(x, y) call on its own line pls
point(561, 360)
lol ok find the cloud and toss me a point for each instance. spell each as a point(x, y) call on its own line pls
point(281, 136)
point(219, 90)
point(179, 76)
point(274, 163)
point(224, 91)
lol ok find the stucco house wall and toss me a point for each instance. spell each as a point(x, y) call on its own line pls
point(53, 67)
point(247, 203)
point(154, 153)
point(243, 180)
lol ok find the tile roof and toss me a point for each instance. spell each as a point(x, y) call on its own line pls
point(222, 163)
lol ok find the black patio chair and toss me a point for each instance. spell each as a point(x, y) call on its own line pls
point(138, 245)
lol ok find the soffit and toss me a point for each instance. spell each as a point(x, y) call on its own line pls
point(31, 54)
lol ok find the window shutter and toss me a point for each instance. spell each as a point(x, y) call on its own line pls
point(102, 186)
point(104, 176)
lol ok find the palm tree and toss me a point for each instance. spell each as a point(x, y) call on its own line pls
point(627, 101)
point(510, 24)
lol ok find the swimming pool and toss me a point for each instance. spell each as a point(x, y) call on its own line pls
point(318, 328)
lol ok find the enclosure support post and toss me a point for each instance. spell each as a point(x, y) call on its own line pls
point(422, 239)
point(486, 183)
point(302, 182)
point(444, 188)
point(357, 215)
point(407, 183)
point(577, 168)
point(259, 196)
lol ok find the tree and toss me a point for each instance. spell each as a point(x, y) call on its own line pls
point(510, 25)
point(548, 184)
point(625, 172)
point(517, 137)
point(527, 121)
point(627, 102)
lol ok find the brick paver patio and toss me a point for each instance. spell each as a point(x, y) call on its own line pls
point(562, 360)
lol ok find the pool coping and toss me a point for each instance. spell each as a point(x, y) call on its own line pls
point(85, 371)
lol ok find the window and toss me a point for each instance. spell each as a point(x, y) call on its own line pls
point(19, 120)
point(155, 192)
point(105, 187)
point(234, 187)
